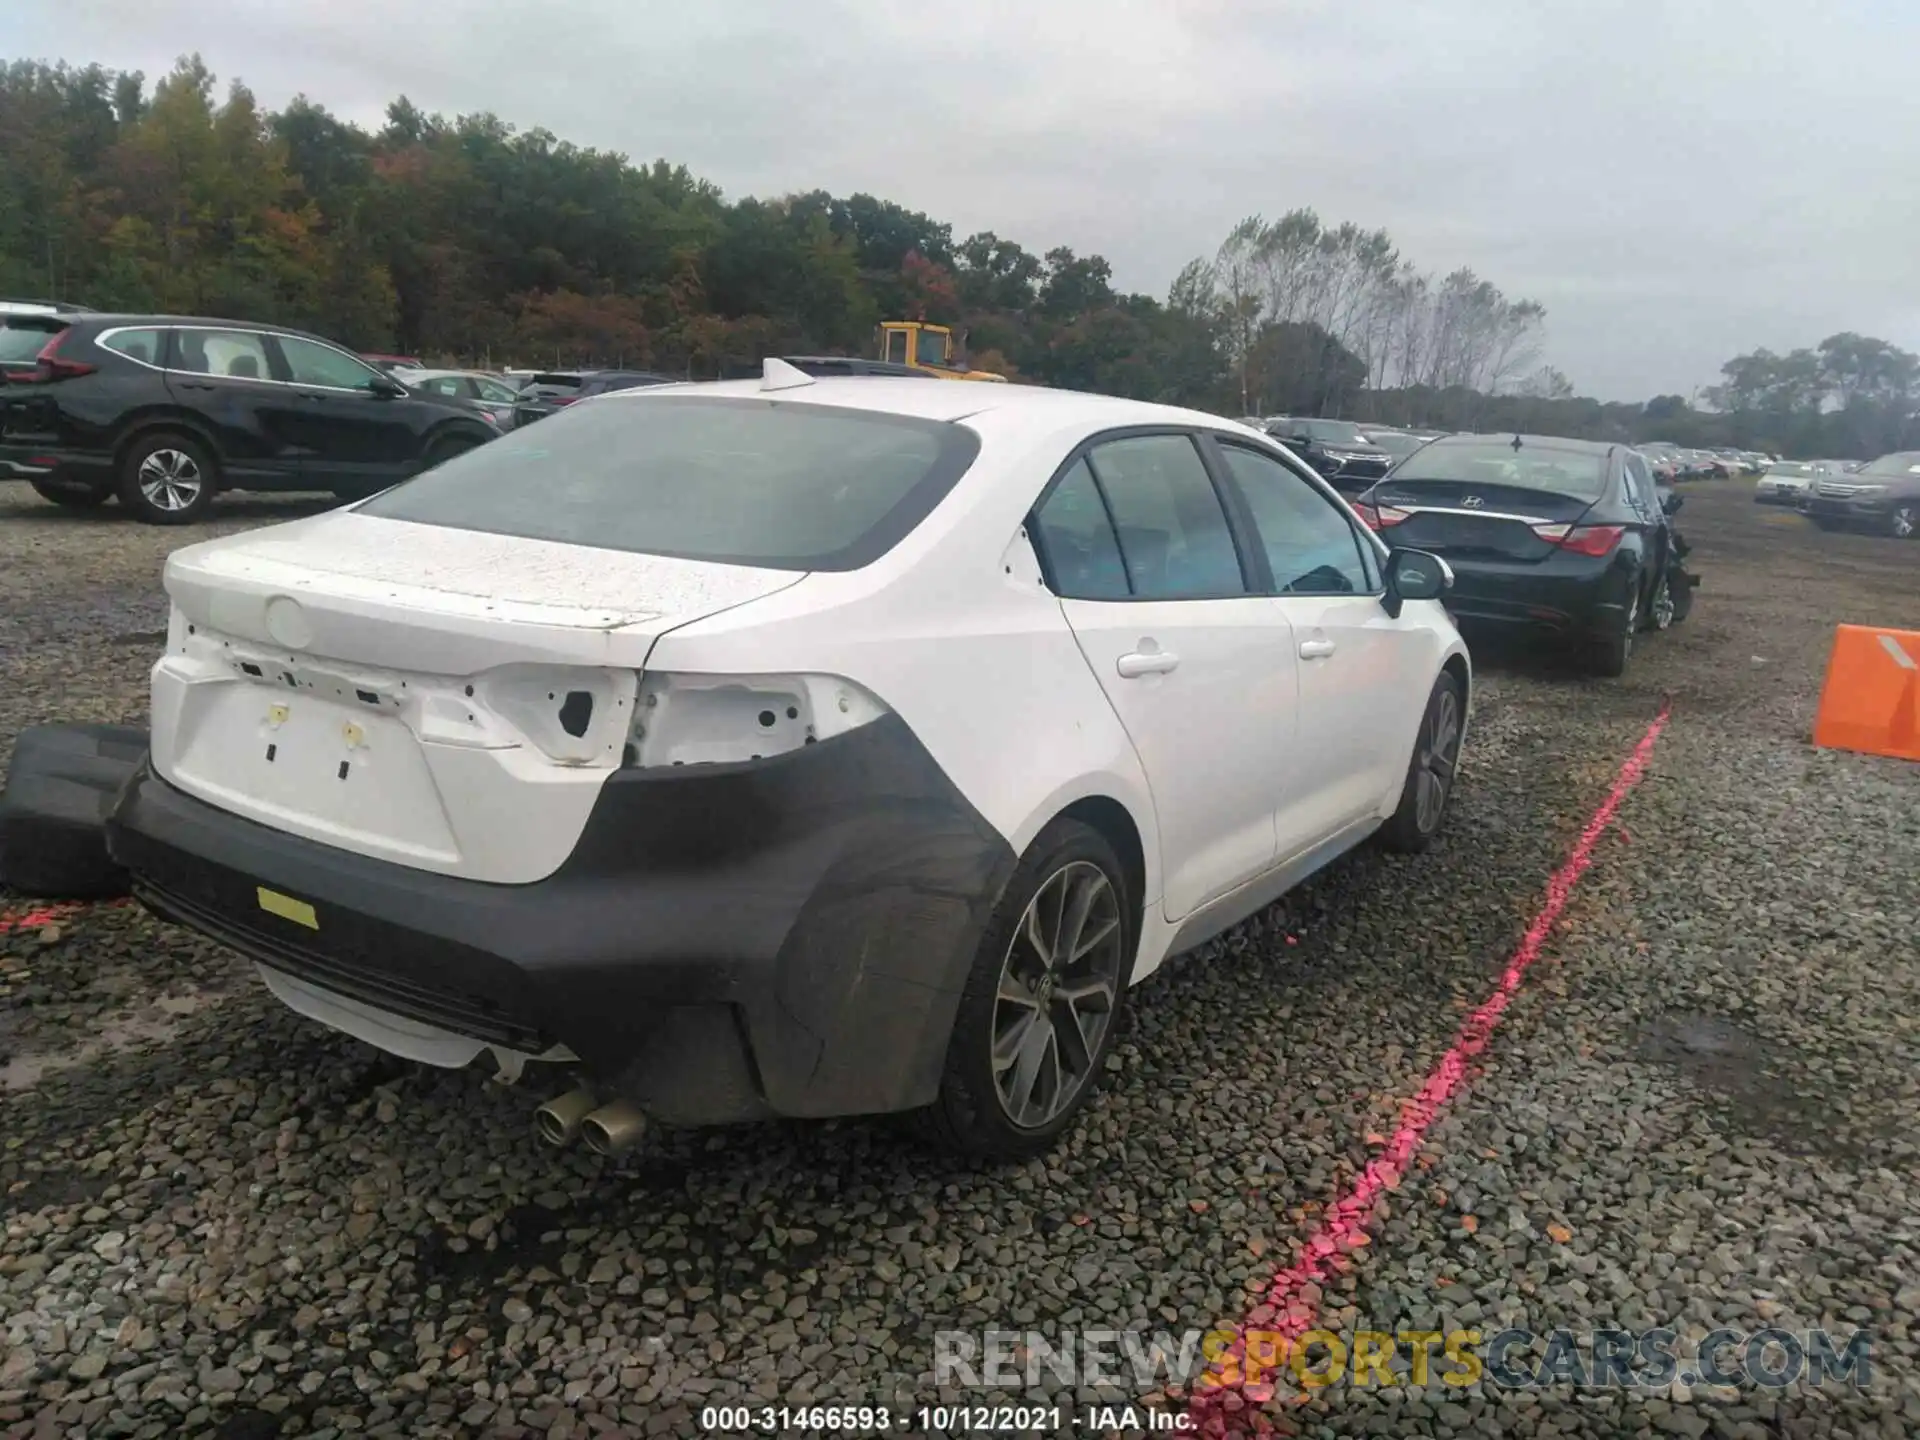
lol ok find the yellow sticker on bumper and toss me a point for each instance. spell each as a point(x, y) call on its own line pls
point(287, 908)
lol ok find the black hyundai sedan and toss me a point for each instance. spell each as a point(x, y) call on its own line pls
point(165, 411)
point(1565, 538)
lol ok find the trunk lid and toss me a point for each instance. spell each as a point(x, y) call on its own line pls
point(440, 698)
point(1475, 521)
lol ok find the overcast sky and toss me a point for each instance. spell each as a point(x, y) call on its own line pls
point(1676, 181)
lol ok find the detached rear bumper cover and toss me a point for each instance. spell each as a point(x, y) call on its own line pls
point(787, 936)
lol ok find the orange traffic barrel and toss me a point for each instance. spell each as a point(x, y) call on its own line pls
point(1871, 700)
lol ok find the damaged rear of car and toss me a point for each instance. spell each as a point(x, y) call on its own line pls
point(416, 759)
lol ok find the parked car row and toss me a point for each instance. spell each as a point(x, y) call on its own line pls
point(1678, 462)
point(1882, 495)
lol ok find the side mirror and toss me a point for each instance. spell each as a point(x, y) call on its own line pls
point(386, 387)
point(1415, 575)
point(1670, 502)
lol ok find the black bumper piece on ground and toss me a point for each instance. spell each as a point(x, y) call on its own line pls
point(61, 785)
point(786, 936)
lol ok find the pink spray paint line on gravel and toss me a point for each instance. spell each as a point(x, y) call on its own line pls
point(1227, 1401)
point(45, 915)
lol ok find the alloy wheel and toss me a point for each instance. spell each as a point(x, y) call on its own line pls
point(1057, 993)
point(1663, 604)
point(1905, 521)
point(1439, 754)
point(170, 480)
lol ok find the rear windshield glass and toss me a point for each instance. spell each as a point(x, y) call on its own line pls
point(1532, 467)
point(1906, 462)
point(749, 482)
point(22, 337)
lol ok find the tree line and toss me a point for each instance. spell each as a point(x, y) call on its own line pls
point(467, 240)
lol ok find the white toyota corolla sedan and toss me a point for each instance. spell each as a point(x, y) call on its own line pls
point(796, 747)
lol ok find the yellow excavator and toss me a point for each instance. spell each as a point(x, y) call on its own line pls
point(921, 346)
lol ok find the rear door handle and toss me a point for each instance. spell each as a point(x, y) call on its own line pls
point(1136, 663)
point(1316, 649)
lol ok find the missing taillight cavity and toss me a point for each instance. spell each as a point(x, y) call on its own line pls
point(576, 713)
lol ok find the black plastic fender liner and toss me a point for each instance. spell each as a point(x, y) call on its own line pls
point(786, 936)
point(62, 784)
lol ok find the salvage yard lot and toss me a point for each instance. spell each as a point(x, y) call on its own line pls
point(215, 1211)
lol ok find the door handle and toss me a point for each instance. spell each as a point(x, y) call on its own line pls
point(1136, 663)
point(1316, 649)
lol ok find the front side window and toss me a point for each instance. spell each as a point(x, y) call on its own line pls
point(449, 385)
point(1173, 533)
point(788, 485)
point(237, 354)
point(1311, 547)
point(311, 363)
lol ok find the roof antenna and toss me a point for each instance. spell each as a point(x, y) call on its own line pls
point(777, 374)
point(1516, 439)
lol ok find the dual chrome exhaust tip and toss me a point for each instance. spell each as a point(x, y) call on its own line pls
point(609, 1130)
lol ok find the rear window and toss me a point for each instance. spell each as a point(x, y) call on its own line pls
point(23, 337)
point(563, 382)
point(1531, 467)
point(747, 482)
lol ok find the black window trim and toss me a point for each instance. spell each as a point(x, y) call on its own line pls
point(1366, 542)
point(1256, 581)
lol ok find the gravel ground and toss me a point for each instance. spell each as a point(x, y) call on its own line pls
point(220, 1219)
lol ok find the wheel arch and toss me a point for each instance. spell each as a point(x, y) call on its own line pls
point(160, 421)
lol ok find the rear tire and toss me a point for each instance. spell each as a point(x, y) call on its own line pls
point(1038, 1016)
point(446, 447)
point(72, 496)
point(1610, 653)
point(1430, 773)
point(168, 479)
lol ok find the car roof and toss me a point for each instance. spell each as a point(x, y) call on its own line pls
point(951, 400)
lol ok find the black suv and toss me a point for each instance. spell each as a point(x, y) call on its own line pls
point(553, 390)
point(1338, 449)
point(165, 411)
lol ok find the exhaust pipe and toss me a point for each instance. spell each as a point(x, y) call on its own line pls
point(559, 1119)
point(614, 1129)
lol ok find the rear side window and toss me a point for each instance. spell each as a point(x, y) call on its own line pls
point(1173, 533)
point(141, 345)
point(747, 482)
point(1077, 540)
point(238, 354)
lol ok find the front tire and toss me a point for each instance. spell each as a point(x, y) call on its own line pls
point(168, 479)
point(446, 447)
point(1430, 774)
point(1904, 523)
point(1042, 1003)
